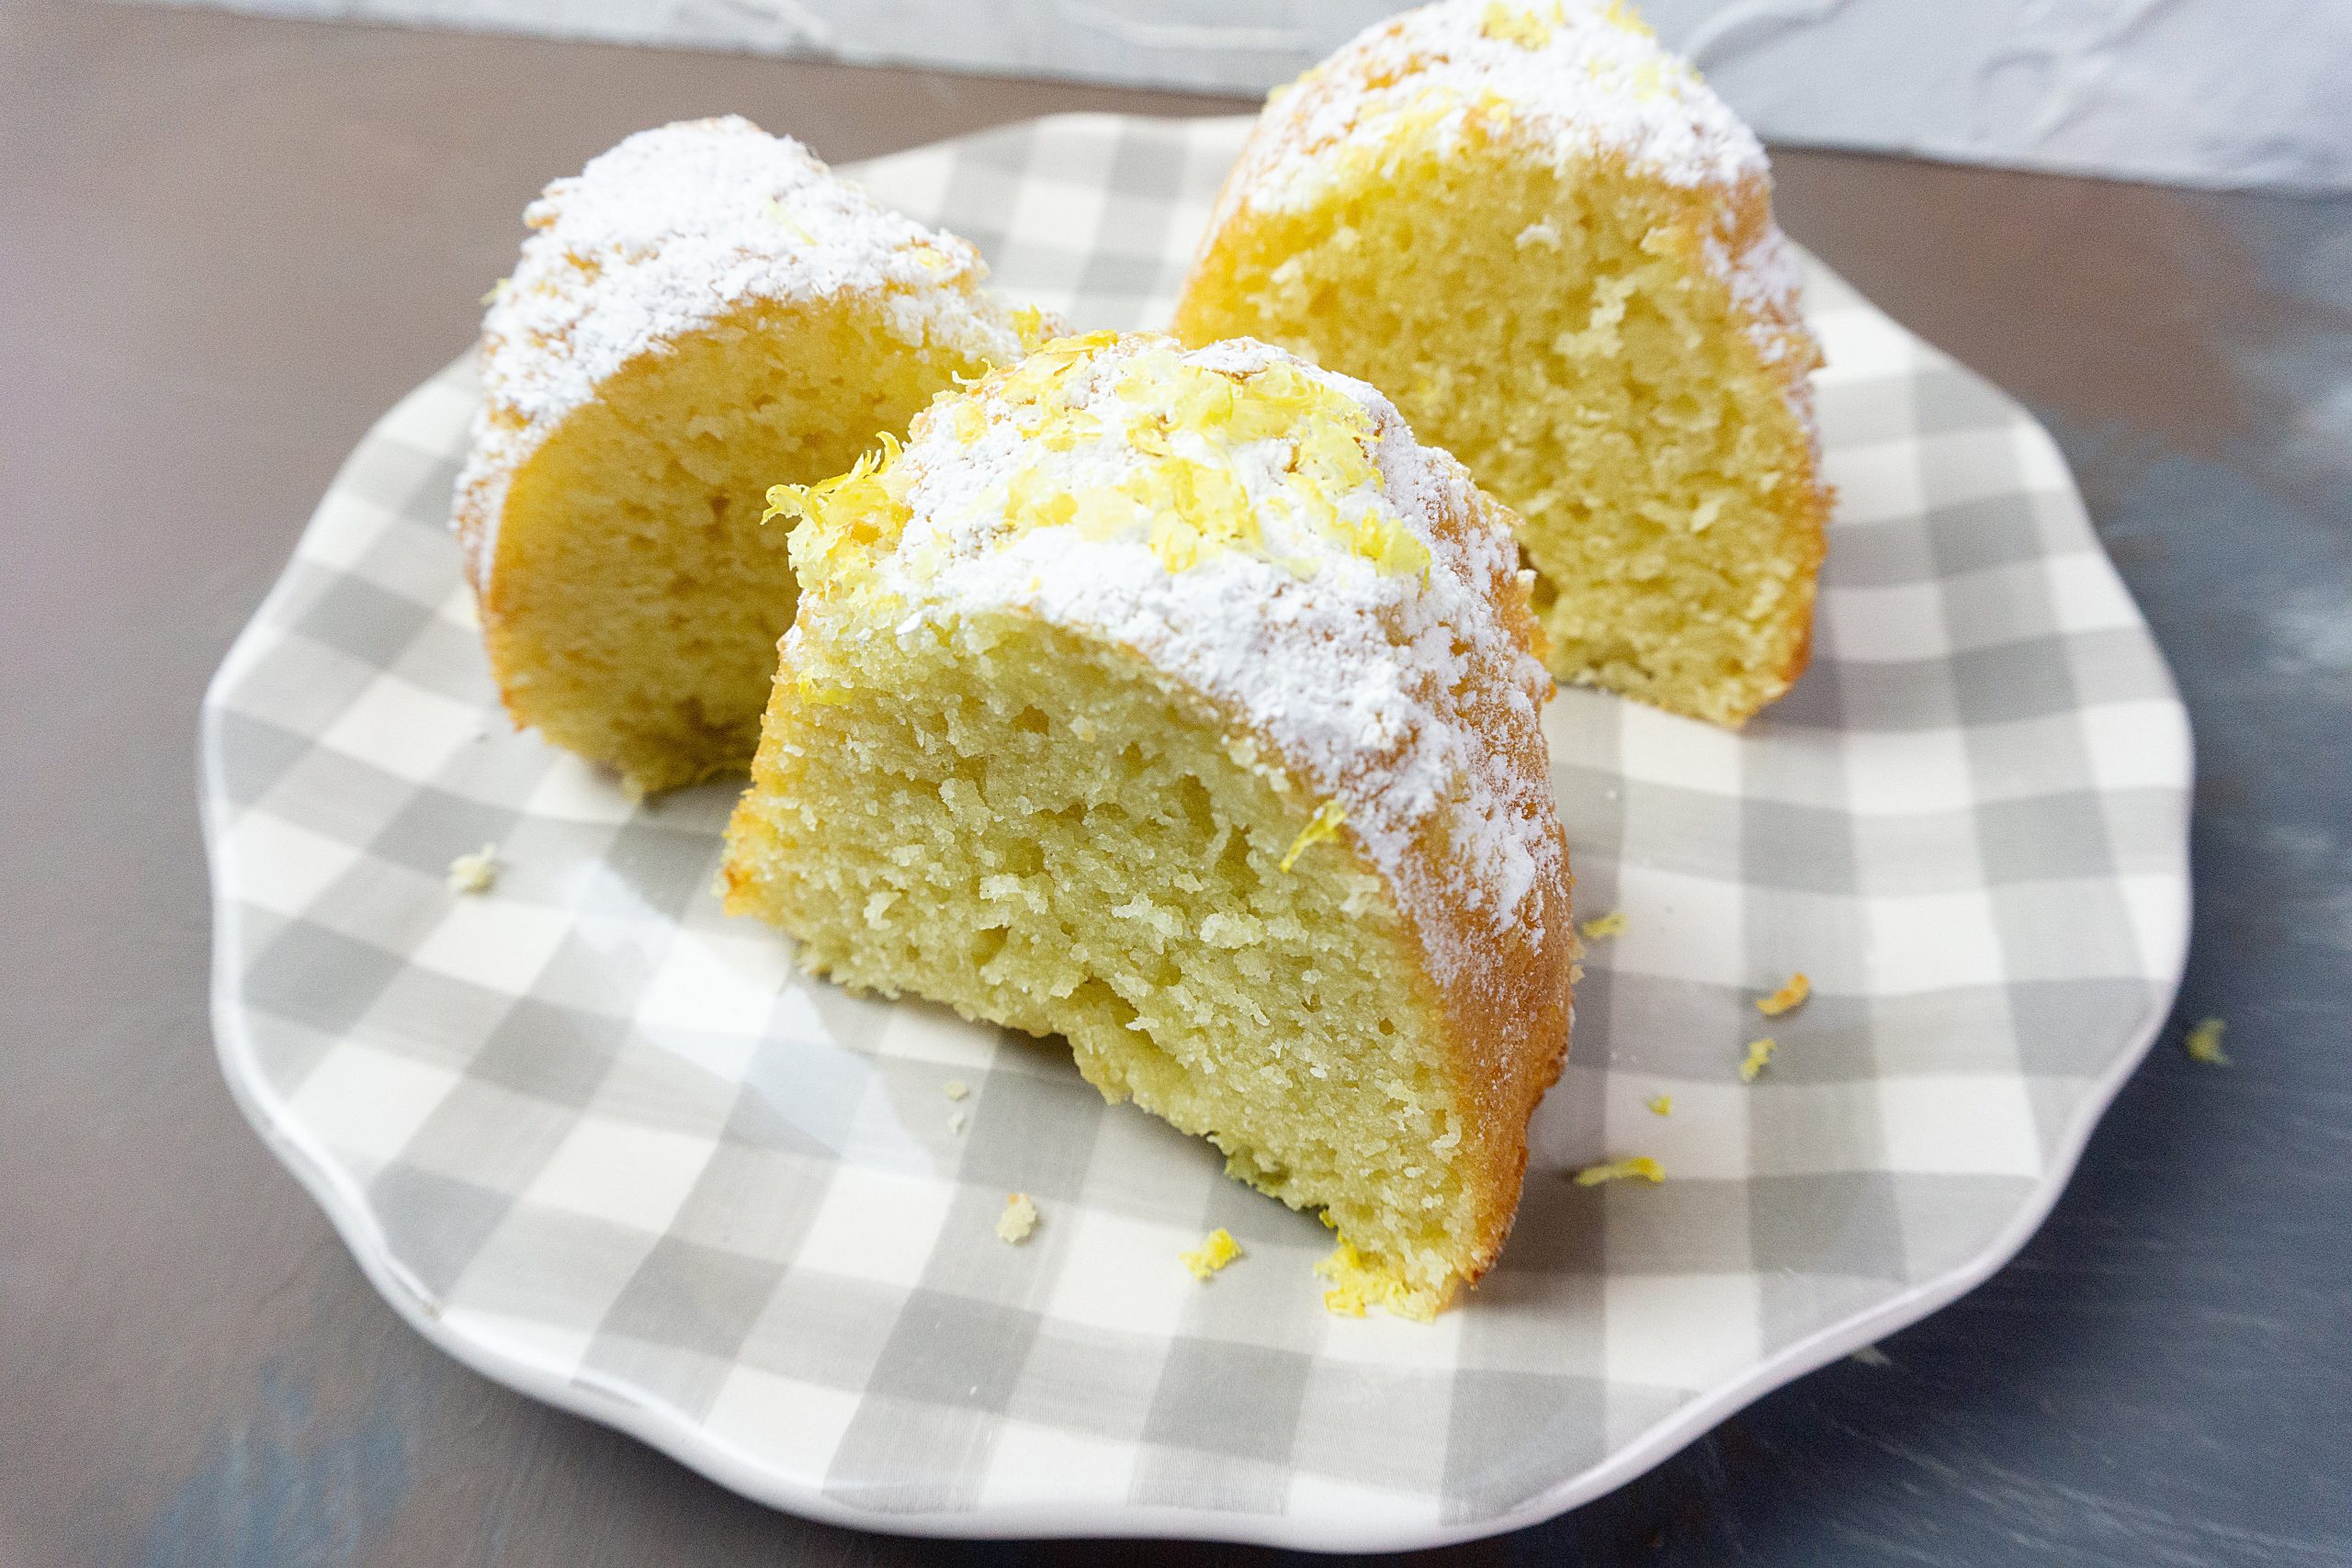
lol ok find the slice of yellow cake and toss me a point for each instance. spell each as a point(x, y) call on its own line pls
point(705, 310)
point(1545, 237)
point(1181, 705)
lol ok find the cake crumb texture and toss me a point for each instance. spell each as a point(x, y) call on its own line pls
point(703, 310)
point(1553, 246)
point(1183, 705)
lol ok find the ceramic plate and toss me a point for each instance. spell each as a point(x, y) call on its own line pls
point(606, 1144)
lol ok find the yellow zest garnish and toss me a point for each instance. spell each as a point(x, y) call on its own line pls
point(1324, 824)
point(1789, 996)
point(1194, 508)
point(1623, 16)
point(968, 421)
point(1609, 924)
point(929, 256)
point(1029, 382)
point(1030, 322)
point(1508, 24)
point(2204, 1044)
point(1359, 1282)
point(1635, 1167)
point(1176, 542)
point(843, 516)
point(779, 214)
point(1384, 541)
point(1218, 1249)
point(1033, 501)
point(497, 292)
point(1190, 397)
point(1660, 1104)
point(788, 501)
point(1759, 1056)
point(1065, 428)
point(824, 696)
point(1332, 456)
point(1105, 514)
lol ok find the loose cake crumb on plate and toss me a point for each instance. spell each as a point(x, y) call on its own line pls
point(1759, 1056)
point(1609, 924)
point(1020, 1218)
point(476, 873)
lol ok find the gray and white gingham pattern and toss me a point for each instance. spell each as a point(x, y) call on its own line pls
point(607, 1145)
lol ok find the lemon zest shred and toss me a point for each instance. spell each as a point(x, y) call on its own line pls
point(2204, 1044)
point(1031, 323)
point(1358, 1281)
point(1216, 1249)
point(1788, 999)
point(781, 215)
point(1324, 824)
point(1600, 926)
point(1623, 17)
point(1508, 24)
point(1759, 1056)
point(1633, 1168)
point(1660, 1104)
point(824, 696)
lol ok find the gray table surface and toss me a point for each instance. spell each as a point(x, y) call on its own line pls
point(227, 244)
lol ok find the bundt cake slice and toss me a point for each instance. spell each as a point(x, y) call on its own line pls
point(706, 309)
point(1545, 238)
point(1180, 705)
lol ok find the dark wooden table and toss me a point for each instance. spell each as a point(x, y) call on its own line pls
point(226, 245)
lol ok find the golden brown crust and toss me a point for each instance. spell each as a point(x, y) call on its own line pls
point(1506, 1027)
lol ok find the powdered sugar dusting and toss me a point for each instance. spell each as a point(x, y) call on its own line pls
point(670, 231)
point(1585, 76)
point(1402, 695)
point(1574, 79)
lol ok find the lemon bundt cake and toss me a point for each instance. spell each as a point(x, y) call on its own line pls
point(705, 310)
point(1181, 705)
point(1545, 238)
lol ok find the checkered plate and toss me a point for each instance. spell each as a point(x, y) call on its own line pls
point(605, 1144)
